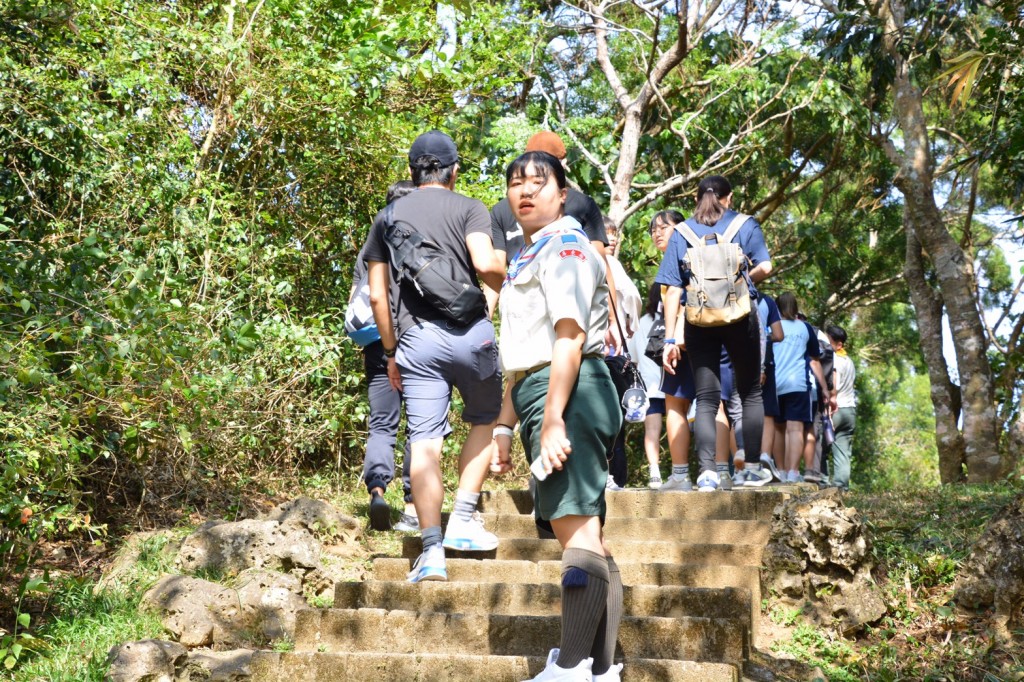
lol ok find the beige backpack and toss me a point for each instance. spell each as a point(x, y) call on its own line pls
point(718, 293)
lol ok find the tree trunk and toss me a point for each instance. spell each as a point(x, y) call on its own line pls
point(946, 398)
point(953, 268)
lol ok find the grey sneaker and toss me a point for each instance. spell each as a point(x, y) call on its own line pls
point(725, 481)
point(679, 485)
point(407, 523)
point(767, 461)
point(812, 476)
point(755, 478)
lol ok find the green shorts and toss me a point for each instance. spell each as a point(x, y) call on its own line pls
point(592, 421)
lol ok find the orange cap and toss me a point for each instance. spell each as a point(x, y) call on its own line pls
point(547, 141)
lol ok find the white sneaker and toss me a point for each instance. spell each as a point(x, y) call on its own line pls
point(429, 565)
point(610, 675)
point(610, 484)
point(708, 482)
point(654, 482)
point(469, 536)
point(739, 478)
point(681, 484)
point(552, 673)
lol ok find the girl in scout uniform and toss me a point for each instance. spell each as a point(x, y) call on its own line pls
point(554, 313)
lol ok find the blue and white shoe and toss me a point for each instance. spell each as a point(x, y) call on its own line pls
point(708, 482)
point(430, 565)
point(469, 536)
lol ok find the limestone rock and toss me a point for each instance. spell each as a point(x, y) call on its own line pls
point(232, 547)
point(818, 555)
point(319, 518)
point(270, 601)
point(219, 666)
point(994, 574)
point(197, 612)
point(147, 660)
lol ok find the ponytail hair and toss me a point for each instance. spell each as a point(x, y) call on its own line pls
point(709, 193)
point(788, 307)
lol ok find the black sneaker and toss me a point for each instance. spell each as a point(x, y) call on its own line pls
point(380, 512)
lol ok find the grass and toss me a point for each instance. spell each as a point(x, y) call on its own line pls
point(73, 646)
point(921, 538)
point(78, 622)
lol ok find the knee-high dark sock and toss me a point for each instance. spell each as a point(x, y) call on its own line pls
point(603, 651)
point(584, 600)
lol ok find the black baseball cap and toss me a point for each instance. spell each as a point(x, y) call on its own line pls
point(434, 144)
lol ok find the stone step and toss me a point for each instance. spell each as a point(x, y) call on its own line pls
point(719, 640)
point(633, 573)
point(510, 572)
point(714, 531)
point(268, 666)
point(624, 551)
point(740, 505)
point(537, 599)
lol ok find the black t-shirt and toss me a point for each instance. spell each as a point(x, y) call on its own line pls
point(445, 218)
point(508, 235)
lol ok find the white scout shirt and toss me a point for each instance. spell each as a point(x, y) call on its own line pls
point(560, 276)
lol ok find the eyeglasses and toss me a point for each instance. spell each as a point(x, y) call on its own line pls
point(658, 228)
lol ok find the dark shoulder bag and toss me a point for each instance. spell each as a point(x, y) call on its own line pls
point(436, 276)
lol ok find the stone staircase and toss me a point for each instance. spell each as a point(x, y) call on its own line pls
point(689, 565)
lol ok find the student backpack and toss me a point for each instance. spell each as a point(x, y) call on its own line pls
point(435, 275)
point(359, 323)
point(718, 292)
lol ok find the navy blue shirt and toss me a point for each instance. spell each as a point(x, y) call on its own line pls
point(750, 238)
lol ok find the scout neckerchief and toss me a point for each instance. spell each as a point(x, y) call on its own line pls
point(566, 227)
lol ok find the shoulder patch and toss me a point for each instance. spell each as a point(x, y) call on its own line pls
point(573, 253)
point(569, 239)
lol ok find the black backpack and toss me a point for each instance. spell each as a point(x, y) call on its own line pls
point(436, 276)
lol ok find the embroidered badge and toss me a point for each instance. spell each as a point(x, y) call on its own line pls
point(573, 253)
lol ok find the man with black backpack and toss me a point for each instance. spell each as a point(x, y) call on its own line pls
point(427, 253)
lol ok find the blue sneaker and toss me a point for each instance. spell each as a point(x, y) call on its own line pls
point(469, 536)
point(429, 565)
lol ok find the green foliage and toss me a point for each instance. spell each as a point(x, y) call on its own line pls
point(73, 647)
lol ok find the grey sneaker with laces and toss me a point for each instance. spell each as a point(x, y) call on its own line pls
point(407, 523)
point(681, 484)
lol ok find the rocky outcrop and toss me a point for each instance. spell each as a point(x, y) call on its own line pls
point(993, 576)
point(149, 660)
point(325, 522)
point(223, 547)
point(153, 660)
point(818, 557)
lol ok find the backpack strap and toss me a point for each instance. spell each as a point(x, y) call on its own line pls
point(688, 234)
point(734, 227)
